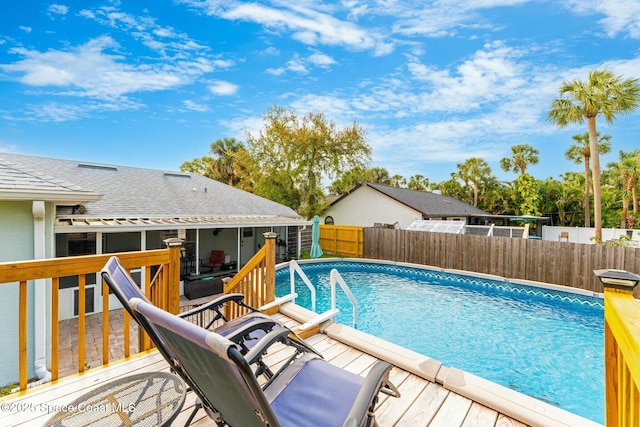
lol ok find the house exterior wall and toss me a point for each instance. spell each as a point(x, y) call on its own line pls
point(16, 237)
point(366, 206)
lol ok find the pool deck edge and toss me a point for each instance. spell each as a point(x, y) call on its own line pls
point(517, 405)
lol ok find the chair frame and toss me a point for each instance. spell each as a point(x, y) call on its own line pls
point(192, 348)
point(126, 289)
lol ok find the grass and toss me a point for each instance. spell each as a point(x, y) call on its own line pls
point(6, 390)
point(305, 254)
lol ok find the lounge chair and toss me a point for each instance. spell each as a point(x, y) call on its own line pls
point(307, 392)
point(245, 331)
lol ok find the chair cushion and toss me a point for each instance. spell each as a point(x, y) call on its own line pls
point(320, 394)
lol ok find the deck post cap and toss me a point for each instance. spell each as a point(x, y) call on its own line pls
point(617, 279)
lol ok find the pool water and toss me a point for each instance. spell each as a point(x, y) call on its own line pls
point(543, 343)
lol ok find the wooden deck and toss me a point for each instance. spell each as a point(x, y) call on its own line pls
point(422, 403)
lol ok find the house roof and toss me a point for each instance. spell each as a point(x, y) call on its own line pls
point(429, 204)
point(141, 198)
point(20, 183)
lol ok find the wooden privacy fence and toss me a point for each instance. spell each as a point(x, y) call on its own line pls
point(344, 240)
point(561, 263)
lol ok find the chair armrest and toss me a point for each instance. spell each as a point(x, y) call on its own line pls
point(215, 304)
point(276, 335)
point(367, 398)
point(241, 333)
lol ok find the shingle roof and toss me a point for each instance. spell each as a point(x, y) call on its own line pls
point(130, 192)
point(429, 204)
point(19, 182)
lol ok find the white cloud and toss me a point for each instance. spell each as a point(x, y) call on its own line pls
point(223, 88)
point(297, 65)
point(195, 106)
point(26, 29)
point(620, 16)
point(58, 9)
point(162, 39)
point(88, 71)
point(276, 71)
point(307, 22)
point(60, 112)
point(271, 51)
point(321, 60)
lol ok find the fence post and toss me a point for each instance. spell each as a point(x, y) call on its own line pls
point(172, 290)
point(270, 265)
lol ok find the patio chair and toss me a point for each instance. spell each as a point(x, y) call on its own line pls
point(245, 331)
point(216, 259)
point(307, 392)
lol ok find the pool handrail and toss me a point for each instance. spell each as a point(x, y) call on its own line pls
point(334, 278)
point(332, 313)
point(293, 269)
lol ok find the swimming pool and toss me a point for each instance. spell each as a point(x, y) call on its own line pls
point(544, 343)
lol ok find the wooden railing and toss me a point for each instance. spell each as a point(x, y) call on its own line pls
point(622, 358)
point(163, 290)
point(256, 280)
point(343, 240)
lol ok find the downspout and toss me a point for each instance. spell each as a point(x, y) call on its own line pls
point(240, 265)
point(39, 314)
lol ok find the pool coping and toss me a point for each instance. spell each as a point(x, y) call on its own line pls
point(509, 402)
point(500, 398)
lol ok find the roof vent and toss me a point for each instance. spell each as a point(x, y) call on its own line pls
point(97, 166)
point(177, 174)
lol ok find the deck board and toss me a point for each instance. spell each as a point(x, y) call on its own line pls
point(452, 412)
point(480, 416)
point(425, 406)
point(422, 403)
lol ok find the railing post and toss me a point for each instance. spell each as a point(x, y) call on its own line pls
point(172, 290)
point(615, 282)
point(270, 265)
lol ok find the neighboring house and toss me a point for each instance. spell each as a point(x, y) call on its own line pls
point(53, 208)
point(375, 204)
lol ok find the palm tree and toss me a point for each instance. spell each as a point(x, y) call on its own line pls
point(398, 180)
point(604, 94)
point(419, 182)
point(628, 169)
point(474, 170)
point(580, 151)
point(523, 156)
point(379, 175)
point(224, 151)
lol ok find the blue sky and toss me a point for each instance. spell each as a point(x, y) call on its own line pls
point(153, 83)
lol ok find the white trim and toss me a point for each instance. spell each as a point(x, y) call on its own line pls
point(83, 224)
point(71, 197)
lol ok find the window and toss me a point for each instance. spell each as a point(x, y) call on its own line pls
point(328, 220)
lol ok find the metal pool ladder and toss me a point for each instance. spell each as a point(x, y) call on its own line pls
point(334, 278)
